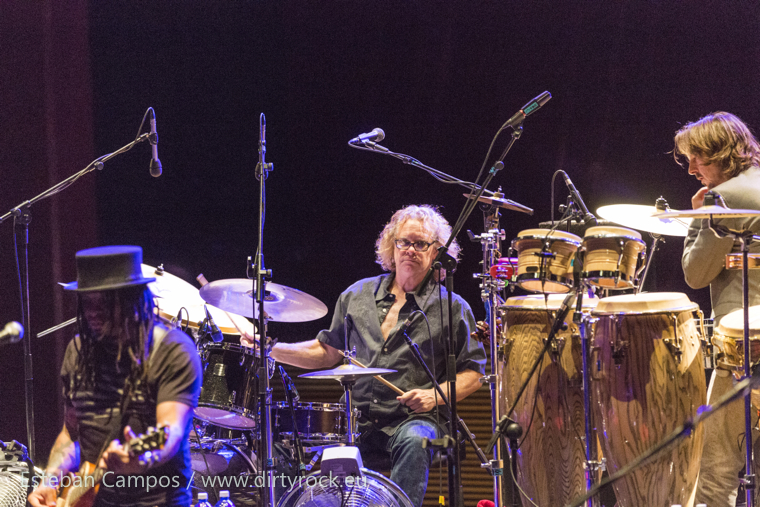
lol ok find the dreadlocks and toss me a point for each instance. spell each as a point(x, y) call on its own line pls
point(130, 326)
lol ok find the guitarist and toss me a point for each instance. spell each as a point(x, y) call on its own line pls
point(123, 373)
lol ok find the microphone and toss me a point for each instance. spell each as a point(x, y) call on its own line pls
point(155, 164)
point(216, 334)
point(289, 385)
point(531, 107)
point(375, 136)
point(13, 332)
point(588, 217)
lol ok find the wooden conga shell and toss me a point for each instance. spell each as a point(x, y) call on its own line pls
point(551, 456)
point(642, 390)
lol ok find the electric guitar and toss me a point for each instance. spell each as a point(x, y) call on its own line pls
point(84, 486)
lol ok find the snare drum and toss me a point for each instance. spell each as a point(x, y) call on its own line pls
point(545, 260)
point(227, 394)
point(317, 422)
point(552, 454)
point(647, 379)
point(613, 257)
point(728, 340)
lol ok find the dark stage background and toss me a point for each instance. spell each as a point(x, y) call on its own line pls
point(439, 77)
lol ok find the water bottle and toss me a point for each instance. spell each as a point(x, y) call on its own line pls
point(224, 499)
point(202, 500)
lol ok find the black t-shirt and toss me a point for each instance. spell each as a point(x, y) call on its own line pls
point(174, 374)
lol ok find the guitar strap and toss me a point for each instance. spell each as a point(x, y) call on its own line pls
point(159, 332)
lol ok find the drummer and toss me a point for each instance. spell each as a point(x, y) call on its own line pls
point(724, 156)
point(393, 425)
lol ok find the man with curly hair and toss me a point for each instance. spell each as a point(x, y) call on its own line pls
point(724, 156)
point(393, 425)
point(123, 373)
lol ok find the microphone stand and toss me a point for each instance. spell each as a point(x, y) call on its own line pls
point(262, 368)
point(288, 384)
point(741, 389)
point(22, 216)
point(449, 264)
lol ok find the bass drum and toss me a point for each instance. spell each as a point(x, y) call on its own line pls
point(550, 410)
point(370, 490)
point(647, 379)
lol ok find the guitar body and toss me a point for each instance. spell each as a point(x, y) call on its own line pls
point(84, 486)
point(81, 493)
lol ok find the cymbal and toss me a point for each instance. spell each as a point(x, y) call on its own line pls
point(495, 200)
point(281, 303)
point(710, 211)
point(174, 293)
point(642, 218)
point(347, 372)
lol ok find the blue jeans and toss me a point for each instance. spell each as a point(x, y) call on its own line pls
point(410, 463)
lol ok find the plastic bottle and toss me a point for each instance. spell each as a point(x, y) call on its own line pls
point(202, 500)
point(224, 499)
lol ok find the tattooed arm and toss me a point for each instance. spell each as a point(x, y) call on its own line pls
point(64, 458)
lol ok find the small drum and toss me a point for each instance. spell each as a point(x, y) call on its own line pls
point(227, 394)
point(550, 410)
point(545, 260)
point(728, 340)
point(318, 423)
point(613, 258)
point(647, 379)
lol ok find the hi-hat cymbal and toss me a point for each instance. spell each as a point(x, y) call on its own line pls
point(642, 218)
point(281, 303)
point(347, 372)
point(174, 293)
point(710, 211)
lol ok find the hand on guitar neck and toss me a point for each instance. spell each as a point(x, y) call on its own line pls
point(136, 456)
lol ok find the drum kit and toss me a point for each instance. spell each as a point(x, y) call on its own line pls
point(617, 373)
point(227, 420)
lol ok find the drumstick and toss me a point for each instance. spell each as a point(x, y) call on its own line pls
point(378, 377)
point(232, 316)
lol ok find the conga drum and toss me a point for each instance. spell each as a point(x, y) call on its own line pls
point(647, 379)
point(550, 410)
point(545, 260)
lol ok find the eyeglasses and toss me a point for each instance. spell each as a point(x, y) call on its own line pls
point(419, 246)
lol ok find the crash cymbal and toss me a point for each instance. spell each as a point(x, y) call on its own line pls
point(498, 200)
point(347, 372)
point(642, 218)
point(710, 211)
point(281, 303)
point(173, 294)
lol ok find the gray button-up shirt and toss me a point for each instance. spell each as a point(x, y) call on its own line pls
point(368, 301)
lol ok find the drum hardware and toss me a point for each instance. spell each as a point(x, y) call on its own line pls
point(613, 257)
point(686, 429)
point(291, 394)
point(734, 261)
point(545, 260)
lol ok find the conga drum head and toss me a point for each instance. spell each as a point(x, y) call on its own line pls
point(545, 260)
point(647, 379)
point(612, 257)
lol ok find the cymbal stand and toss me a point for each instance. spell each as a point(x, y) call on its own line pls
point(491, 287)
point(262, 369)
point(660, 205)
point(745, 239)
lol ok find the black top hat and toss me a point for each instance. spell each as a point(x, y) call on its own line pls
point(108, 268)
